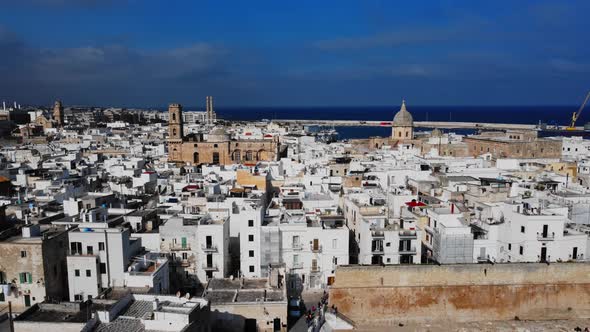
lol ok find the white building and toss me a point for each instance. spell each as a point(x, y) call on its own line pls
point(198, 246)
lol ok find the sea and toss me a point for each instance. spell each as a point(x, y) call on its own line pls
point(551, 115)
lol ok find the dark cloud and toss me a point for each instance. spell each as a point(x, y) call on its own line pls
point(389, 39)
point(112, 73)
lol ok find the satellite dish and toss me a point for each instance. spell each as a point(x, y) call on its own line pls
point(187, 296)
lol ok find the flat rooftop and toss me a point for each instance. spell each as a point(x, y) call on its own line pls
point(242, 290)
point(65, 313)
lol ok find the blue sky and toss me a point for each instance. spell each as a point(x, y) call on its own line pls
point(294, 53)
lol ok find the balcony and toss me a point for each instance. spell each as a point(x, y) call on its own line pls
point(184, 263)
point(209, 248)
point(483, 259)
point(407, 251)
point(80, 253)
point(315, 270)
point(378, 234)
point(212, 267)
point(316, 249)
point(407, 235)
point(377, 250)
point(179, 247)
point(545, 236)
point(297, 246)
point(297, 265)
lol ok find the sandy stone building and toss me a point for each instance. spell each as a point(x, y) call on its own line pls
point(32, 266)
point(56, 119)
point(403, 125)
point(217, 147)
point(513, 144)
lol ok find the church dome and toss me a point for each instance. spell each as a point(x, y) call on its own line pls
point(403, 118)
point(218, 135)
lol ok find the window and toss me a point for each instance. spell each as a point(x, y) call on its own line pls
point(89, 250)
point(25, 278)
point(214, 145)
point(250, 223)
point(251, 238)
point(522, 229)
point(509, 246)
point(389, 260)
point(88, 273)
point(173, 116)
point(251, 253)
point(23, 253)
point(388, 244)
point(295, 240)
point(521, 250)
point(103, 268)
point(334, 243)
point(77, 272)
point(215, 157)
point(78, 297)
point(251, 268)
point(101, 246)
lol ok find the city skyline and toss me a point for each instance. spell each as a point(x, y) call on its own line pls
point(133, 53)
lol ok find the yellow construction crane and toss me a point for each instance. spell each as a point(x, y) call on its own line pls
point(576, 115)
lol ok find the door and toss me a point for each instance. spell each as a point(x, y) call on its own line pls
point(545, 230)
point(27, 300)
point(250, 325)
point(482, 253)
point(316, 244)
point(544, 254)
point(575, 253)
point(209, 241)
point(209, 260)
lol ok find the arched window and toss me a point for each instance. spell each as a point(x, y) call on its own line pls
point(196, 158)
point(249, 155)
point(400, 134)
point(173, 116)
point(215, 157)
point(407, 133)
point(173, 131)
point(261, 155)
point(236, 155)
point(214, 145)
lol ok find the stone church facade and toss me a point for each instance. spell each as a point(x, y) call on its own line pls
point(217, 147)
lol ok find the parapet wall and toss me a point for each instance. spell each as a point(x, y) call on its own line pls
point(466, 292)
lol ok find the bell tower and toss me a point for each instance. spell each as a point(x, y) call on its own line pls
point(58, 113)
point(175, 132)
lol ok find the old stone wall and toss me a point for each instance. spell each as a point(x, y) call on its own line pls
point(540, 148)
point(466, 292)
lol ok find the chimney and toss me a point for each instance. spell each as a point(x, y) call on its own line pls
point(4, 106)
